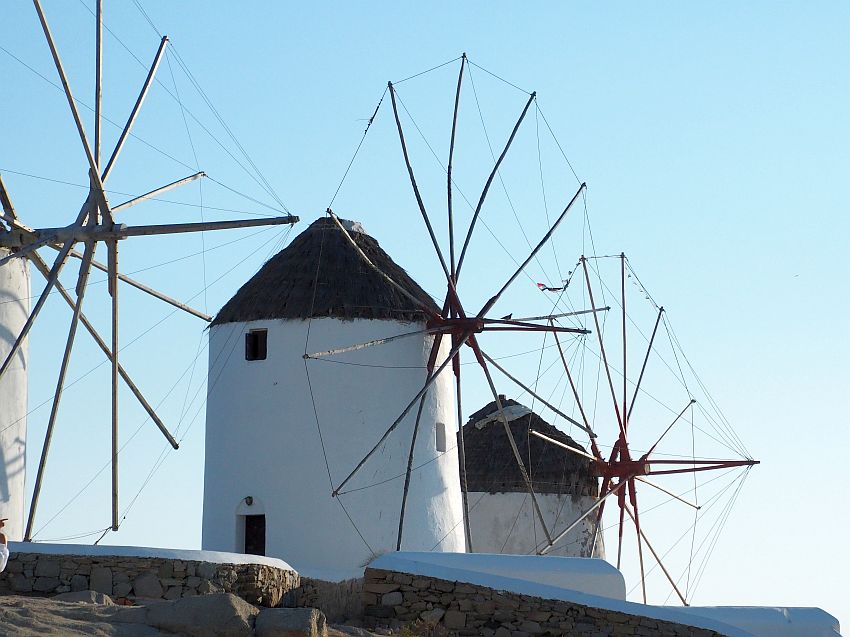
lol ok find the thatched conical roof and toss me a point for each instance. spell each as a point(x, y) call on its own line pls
point(492, 468)
point(320, 274)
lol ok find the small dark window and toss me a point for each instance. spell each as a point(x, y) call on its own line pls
point(255, 534)
point(441, 437)
point(256, 345)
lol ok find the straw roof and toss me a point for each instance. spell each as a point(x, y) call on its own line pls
point(320, 274)
point(492, 468)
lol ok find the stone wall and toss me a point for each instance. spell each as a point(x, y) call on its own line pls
point(339, 601)
point(144, 577)
point(443, 607)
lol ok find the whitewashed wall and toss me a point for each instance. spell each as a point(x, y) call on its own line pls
point(506, 523)
point(262, 441)
point(14, 309)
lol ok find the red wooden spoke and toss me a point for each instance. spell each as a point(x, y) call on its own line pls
point(633, 499)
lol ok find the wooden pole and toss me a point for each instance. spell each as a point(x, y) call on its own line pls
point(602, 349)
point(517, 456)
point(645, 361)
point(449, 171)
point(534, 252)
point(138, 105)
point(113, 291)
point(487, 186)
point(57, 396)
point(428, 382)
point(41, 266)
point(98, 79)
point(158, 191)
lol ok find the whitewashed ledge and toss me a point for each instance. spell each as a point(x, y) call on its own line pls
point(89, 550)
point(135, 572)
point(535, 581)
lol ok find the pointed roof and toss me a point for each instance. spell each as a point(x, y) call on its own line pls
point(492, 468)
point(320, 274)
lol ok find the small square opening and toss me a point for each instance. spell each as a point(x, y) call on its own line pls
point(441, 437)
point(256, 345)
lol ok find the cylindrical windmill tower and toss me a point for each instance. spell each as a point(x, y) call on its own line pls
point(282, 430)
point(501, 517)
point(14, 309)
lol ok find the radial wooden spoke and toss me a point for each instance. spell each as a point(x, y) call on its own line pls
point(464, 484)
point(535, 326)
point(98, 79)
point(157, 191)
point(416, 301)
point(58, 264)
point(136, 107)
point(367, 344)
point(97, 190)
point(526, 388)
point(620, 529)
point(448, 273)
point(41, 266)
point(636, 520)
point(9, 213)
point(517, 456)
point(148, 290)
point(533, 254)
point(551, 544)
point(113, 291)
point(577, 398)
point(551, 317)
point(658, 560)
point(487, 185)
point(669, 427)
point(645, 361)
point(57, 396)
point(602, 349)
point(670, 493)
point(625, 342)
point(428, 382)
point(452, 261)
point(432, 358)
point(560, 444)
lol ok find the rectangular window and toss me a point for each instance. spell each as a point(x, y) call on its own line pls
point(256, 345)
point(255, 534)
point(441, 437)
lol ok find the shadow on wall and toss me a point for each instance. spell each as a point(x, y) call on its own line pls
point(11, 466)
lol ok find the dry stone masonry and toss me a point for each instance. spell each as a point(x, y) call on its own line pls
point(457, 608)
point(144, 577)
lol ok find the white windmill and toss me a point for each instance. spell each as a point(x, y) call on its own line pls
point(94, 223)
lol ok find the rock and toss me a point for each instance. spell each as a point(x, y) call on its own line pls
point(101, 580)
point(45, 584)
point(147, 585)
point(205, 570)
point(502, 632)
point(432, 616)
point(392, 599)
point(20, 583)
point(47, 568)
point(291, 622)
point(454, 619)
point(79, 583)
point(175, 592)
point(122, 590)
point(221, 615)
point(530, 627)
point(86, 597)
point(207, 587)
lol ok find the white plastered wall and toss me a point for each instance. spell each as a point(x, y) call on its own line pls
point(14, 309)
point(506, 523)
point(262, 441)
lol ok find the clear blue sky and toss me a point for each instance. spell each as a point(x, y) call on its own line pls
point(714, 140)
